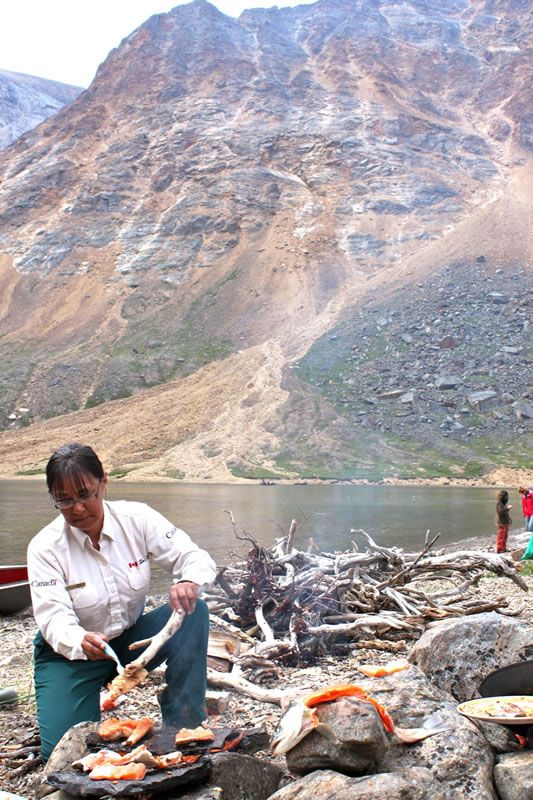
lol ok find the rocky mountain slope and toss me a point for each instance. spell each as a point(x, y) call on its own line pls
point(293, 244)
point(25, 101)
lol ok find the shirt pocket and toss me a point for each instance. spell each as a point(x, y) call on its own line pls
point(82, 595)
point(138, 580)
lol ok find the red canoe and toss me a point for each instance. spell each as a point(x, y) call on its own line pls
point(14, 588)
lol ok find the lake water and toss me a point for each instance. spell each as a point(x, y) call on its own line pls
point(392, 515)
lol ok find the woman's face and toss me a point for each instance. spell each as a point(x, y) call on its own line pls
point(86, 496)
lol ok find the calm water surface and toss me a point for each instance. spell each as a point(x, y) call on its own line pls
point(398, 515)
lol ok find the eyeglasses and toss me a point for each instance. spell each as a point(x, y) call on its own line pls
point(83, 498)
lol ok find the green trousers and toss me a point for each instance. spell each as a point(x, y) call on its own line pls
point(68, 692)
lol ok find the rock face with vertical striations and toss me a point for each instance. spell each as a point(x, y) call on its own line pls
point(25, 101)
point(292, 207)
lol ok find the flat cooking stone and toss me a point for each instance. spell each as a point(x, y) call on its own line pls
point(80, 785)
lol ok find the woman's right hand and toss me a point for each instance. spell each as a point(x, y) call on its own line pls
point(93, 645)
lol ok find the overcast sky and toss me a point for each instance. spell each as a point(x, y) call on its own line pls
point(66, 40)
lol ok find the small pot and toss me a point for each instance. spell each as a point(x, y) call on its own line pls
point(513, 679)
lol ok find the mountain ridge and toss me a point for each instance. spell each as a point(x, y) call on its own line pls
point(26, 100)
point(235, 192)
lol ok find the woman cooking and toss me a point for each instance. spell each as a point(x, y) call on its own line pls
point(89, 573)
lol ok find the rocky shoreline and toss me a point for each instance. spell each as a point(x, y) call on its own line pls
point(17, 632)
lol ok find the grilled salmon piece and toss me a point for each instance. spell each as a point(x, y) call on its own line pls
point(143, 727)
point(89, 762)
point(190, 735)
point(113, 772)
point(382, 670)
point(112, 729)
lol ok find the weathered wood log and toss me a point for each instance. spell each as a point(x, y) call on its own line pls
point(239, 684)
point(20, 752)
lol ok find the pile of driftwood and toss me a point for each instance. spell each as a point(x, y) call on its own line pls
point(283, 605)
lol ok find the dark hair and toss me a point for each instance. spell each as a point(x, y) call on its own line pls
point(502, 496)
point(72, 461)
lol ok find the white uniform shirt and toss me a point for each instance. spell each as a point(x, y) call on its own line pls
point(76, 588)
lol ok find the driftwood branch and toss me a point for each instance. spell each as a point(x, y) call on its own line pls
point(27, 766)
point(228, 680)
point(135, 673)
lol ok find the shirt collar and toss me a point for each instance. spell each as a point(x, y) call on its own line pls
point(82, 538)
point(107, 527)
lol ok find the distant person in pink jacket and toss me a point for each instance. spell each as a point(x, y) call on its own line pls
point(527, 507)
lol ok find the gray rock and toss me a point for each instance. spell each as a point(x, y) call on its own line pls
point(458, 654)
point(393, 394)
point(71, 747)
point(501, 739)
point(244, 777)
point(408, 398)
point(523, 410)
point(447, 381)
point(412, 784)
point(483, 400)
point(354, 744)
point(57, 794)
point(499, 298)
point(513, 775)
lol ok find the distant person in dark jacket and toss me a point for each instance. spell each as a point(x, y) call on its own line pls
point(527, 507)
point(503, 520)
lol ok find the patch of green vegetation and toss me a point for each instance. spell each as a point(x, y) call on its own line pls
point(253, 472)
point(93, 401)
point(526, 567)
point(120, 472)
point(349, 464)
point(473, 469)
point(32, 471)
point(175, 474)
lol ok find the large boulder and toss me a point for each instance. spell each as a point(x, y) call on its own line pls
point(412, 784)
point(244, 777)
point(71, 747)
point(458, 654)
point(513, 775)
point(460, 760)
point(354, 740)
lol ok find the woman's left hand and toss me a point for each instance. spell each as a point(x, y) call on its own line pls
point(183, 596)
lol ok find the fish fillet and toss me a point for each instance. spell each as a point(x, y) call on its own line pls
point(189, 735)
point(113, 772)
point(382, 670)
point(113, 729)
point(89, 762)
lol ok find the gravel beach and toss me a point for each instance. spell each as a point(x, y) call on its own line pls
point(18, 721)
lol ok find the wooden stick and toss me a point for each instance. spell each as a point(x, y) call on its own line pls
point(134, 673)
point(290, 538)
point(31, 763)
point(20, 752)
point(268, 633)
